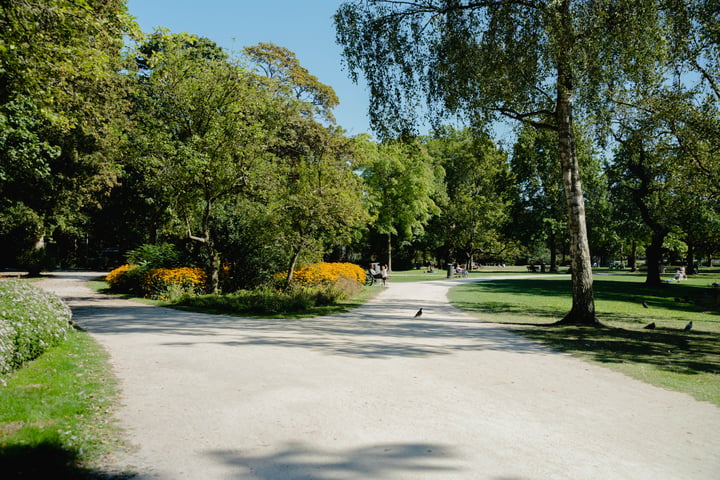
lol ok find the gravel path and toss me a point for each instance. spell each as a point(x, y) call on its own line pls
point(377, 394)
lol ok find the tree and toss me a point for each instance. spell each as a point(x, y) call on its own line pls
point(526, 60)
point(320, 200)
point(643, 170)
point(401, 182)
point(289, 79)
point(62, 109)
point(475, 214)
point(317, 194)
point(208, 127)
point(541, 211)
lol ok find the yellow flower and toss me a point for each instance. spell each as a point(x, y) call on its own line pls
point(325, 273)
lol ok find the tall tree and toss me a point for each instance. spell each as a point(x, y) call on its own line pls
point(317, 194)
point(319, 198)
point(208, 125)
point(62, 109)
point(401, 181)
point(526, 60)
point(540, 211)
point(643, 171)
point(476, 212)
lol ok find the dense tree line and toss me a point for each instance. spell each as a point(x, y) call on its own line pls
point(111, 139)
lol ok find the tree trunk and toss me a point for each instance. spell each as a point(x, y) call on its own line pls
point(291, 268)
point(691, 259)
point(389, 262)
point(553, 252)
point(632, 259)
point(583, 302)
point(654, 258)
point(213, 269)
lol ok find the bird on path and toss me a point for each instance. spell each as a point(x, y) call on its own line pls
point(650, 326)
point(419, 313)
point(644, 303)
point(689, 325)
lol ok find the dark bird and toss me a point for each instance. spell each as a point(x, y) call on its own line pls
point(419, 313)
point(650, 326)
point(689, 325)
point(645, 304)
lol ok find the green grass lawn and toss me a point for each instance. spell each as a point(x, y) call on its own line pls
point(667, 356)
point(441, 274)
point(55, 419)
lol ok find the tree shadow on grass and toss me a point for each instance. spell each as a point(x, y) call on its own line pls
point(667, 349)
point(678, 297)
point(48, 461)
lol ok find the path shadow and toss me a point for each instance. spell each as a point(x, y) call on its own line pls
point(296, 461)
point(372, 331)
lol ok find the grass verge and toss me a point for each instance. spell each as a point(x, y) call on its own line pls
point(667, 356)
point(55, 419)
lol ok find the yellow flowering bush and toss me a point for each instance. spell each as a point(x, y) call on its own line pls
point(164, 283)
point(172, 282)
point(115, 277)
point(126, 279)
point(326, 273)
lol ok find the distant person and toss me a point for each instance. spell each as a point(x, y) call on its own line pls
point(384, 274)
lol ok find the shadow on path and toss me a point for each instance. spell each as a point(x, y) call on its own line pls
point(375, 331)
point(296, 461)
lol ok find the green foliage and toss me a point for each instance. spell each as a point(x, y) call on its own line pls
point(479, 193)
point(62, 108)
point(31, 321)
point(20, 228)
point(149, 256)
point(402, 183)
point(268, 301)
point(36, 260)
point(284, 74)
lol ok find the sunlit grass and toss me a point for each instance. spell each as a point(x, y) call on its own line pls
point(55, 414)
point(667, 356)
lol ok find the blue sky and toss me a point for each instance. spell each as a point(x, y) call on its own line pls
point(303, 26)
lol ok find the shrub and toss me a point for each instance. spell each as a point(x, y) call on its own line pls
point(126, 278)
point(31, 321)
point(326, 274)
point(159, 283)
point(172, 283)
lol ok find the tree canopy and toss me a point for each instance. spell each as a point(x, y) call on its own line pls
point(540, 63)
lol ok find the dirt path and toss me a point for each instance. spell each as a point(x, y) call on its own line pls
point(377, 394)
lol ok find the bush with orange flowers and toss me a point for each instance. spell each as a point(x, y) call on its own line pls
point(158, 283)
point(324, 274)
